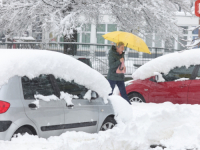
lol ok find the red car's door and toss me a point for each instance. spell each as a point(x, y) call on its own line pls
point(159, 92)
point(194, 89)
point(175, 87)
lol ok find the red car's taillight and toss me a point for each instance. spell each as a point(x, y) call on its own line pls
point(4, 106)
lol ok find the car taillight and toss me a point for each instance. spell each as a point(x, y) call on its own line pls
point(4, 106)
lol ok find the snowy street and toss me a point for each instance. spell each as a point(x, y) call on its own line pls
point(173, 126)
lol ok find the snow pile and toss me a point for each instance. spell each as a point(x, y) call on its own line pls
point(46, 98)
point(173, 126)
point(67, 97)
point(122, 109)
point(88, 95)
point(32, 63)
point(167, 62)
point(160, 77)
point(37, 103)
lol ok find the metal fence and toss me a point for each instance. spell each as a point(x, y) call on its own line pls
point(97, 53)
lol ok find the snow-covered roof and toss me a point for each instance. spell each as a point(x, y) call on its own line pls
point(30, 38)
point(32, 63)
point(167, 62)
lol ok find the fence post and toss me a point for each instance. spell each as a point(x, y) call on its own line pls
point(156, 53)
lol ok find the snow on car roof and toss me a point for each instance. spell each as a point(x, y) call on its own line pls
point(167, 62)
point(32, 63)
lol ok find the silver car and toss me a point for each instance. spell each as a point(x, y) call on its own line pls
point(18, 113)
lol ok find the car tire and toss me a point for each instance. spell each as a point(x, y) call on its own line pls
point(108, 123)
point(136, 97)
point(22, 131)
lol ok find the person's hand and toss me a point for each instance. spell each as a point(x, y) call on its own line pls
point(121, 60)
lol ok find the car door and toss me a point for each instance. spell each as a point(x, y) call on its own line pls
point(49, 117)
point(83, 115)
point(160, 92)
point(175, 87)
point(194, 88)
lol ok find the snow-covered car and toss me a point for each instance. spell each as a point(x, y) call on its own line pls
point(46, 93)
point(173, 77)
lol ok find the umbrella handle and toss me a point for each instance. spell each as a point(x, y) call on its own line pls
point(126, 46)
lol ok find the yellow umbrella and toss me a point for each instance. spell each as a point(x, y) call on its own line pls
point(130, 40)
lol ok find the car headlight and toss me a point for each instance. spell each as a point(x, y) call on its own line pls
point(127, 84)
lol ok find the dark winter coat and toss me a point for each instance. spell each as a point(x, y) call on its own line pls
point(114, 62)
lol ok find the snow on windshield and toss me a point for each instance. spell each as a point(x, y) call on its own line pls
point(167, 62)
point(32, 63)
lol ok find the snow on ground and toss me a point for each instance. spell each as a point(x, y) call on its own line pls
point(167, 62)
point(32, 63)
point(176, 127)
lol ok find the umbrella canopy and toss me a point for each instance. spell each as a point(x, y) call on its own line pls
point(130, 40)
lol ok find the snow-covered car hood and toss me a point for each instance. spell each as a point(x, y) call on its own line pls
point(167, 62)
point(32, 63)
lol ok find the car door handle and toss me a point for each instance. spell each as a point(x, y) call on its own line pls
point(32, 106)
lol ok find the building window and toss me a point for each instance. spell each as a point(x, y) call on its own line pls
point(85, 39)
point(196, 31)
point(112, 27)
point(158, 41)
point(101, 28)
point(149, 40)
point(86, 34)
point(100, 39)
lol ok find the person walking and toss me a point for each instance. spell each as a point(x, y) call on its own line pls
point(116, 59)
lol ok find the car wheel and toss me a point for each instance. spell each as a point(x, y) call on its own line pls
point(22, 131)
point(136, 97)
point(109, 123)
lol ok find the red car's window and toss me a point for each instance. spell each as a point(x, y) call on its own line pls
point(179, 73)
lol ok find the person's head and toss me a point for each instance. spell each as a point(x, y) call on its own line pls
point(120, 47)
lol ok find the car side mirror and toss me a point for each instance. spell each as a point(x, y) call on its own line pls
point(156, 78)
point(159, 77)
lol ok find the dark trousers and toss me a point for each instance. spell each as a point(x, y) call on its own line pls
point(121, 87)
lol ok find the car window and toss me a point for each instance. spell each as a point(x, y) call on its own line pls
point(71, 88)
point(179, 73)
point(198, 75)
point(39, 85)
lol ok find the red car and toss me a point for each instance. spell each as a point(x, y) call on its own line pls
point(180, 85)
